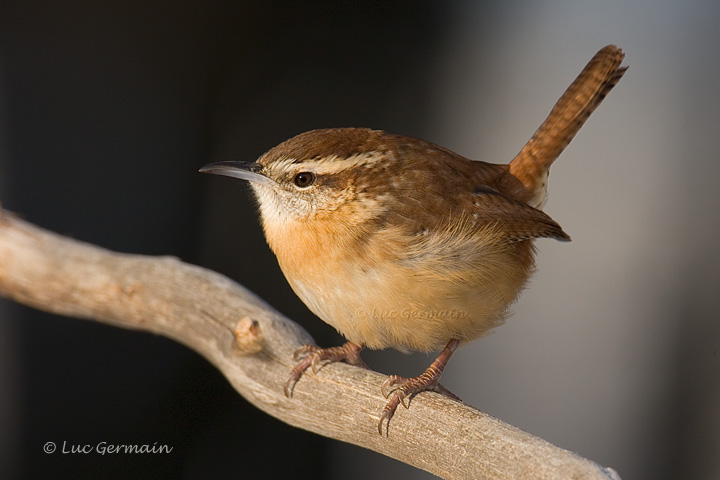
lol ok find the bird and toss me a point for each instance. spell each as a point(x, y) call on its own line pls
point(400, 243)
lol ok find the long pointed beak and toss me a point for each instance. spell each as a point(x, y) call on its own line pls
point(249, 171)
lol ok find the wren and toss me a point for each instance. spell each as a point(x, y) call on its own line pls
point(397, 242)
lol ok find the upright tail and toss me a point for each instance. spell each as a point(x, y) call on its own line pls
point(532, 164)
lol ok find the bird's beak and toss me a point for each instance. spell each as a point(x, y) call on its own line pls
point(249, 171)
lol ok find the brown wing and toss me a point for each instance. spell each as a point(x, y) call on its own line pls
point(516, 220)
point(439, 186)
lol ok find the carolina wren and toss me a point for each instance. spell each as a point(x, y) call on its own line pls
point(400, 243)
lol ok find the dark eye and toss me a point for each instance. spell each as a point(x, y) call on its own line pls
point(304, 179)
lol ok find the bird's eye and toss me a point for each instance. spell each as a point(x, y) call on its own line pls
point(304, 179)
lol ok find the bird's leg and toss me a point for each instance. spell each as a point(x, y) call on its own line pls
point(407, 387)
point(312, 355)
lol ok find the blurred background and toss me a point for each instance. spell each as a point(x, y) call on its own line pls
point(107, 110)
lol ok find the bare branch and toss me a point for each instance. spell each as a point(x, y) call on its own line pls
point(252, 345)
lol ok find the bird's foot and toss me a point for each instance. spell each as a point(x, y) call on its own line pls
point(311, 356)
point(403, 389)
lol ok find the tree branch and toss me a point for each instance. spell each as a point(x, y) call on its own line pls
point(252, 345)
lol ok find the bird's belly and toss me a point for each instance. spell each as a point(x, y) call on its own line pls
point(396, 306)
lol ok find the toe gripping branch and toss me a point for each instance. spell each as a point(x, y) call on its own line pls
point(409, 387)
point(312, 356)
point(398, 389)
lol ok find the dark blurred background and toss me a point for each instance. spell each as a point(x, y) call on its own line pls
point(107, 110)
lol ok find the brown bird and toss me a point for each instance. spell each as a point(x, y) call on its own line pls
point(397, 242)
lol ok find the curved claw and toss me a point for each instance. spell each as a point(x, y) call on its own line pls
point(388, 412)
point(444, 391)
point(399, 396)
point(290, 386)
point(296, 373)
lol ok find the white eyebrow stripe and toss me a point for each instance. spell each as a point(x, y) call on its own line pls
point(334, 164)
